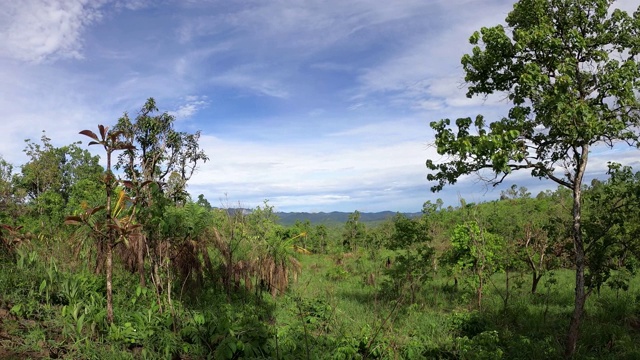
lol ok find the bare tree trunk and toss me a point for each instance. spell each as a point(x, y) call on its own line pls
point(109, 249)
point(574, 326)
point(580, 293)
point(534, 283)
point(109, 283)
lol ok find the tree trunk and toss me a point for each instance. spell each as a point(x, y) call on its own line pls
point(99, 257)
point(574, 326)
point(507, 290)
point(580, 294)
point(536, 279)
point(109, 282)
point(109, 247)
point(479, 292)
point(140, 259)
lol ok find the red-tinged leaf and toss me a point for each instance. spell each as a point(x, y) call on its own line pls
point(96, 209)
point(103, 131)
point(90, 134)
point(146, 183)
point(128, 184)
point(93, 143)
point(73, 220)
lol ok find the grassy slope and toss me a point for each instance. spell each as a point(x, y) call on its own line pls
point(335, 310)
point(444, 324)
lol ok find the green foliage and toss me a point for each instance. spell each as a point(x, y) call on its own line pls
point(569, 69)
point(413, 266)
point(337, 274)
point(475, 253)
point(484, 346)
point(611, 227)
point(354, 232)
point(213, 269)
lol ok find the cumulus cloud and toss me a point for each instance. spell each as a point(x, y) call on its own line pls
point(37, 30)
point(319, 104)
point(322, 169)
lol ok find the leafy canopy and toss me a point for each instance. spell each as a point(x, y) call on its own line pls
point(569, 69)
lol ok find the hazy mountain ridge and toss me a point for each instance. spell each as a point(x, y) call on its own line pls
point(289, 218)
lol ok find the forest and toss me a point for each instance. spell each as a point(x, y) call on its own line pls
point(109, 257)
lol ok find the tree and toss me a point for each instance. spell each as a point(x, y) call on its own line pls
point(52, 180)
point(476, 252)
point(612, 209)
point(303, 229)
point(354, 231)
point(569, 70)
point(413, 264)
point(165, 157)
point(11, 197)
point(275, 249)
point(111, 141)
point(321, 235)
point(526, 222)
point(202, 201)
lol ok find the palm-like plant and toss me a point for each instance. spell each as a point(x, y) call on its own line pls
point(110, 141)
point(279, 263)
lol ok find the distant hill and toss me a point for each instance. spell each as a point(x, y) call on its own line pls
point(334, 217)
point(289, 218)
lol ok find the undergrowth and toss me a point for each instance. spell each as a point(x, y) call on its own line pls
point(338, 309)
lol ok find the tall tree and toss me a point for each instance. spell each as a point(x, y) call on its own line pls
point(164, 156)
point(569, 69)
point(111, 141)
point(354, 231)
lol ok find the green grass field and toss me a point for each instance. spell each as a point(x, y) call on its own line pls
point(341, 307)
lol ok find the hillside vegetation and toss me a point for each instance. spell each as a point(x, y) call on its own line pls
point(476, 281)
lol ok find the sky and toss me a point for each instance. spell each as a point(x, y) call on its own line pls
point(314, 105)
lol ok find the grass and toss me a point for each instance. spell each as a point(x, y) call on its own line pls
point(444, 323)
point(340, 308)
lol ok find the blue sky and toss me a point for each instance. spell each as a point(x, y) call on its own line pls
point(316, 105)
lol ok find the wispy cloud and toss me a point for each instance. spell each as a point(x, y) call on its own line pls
point(192, 104)
point(251, 78)
point(316, 105)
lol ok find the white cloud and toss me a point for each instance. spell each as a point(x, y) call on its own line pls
point(191, 106)
point(134, 4)
point(37, 30)
point(254, 78)
point(324, 170)
point(428, 71)
point(349, 88)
